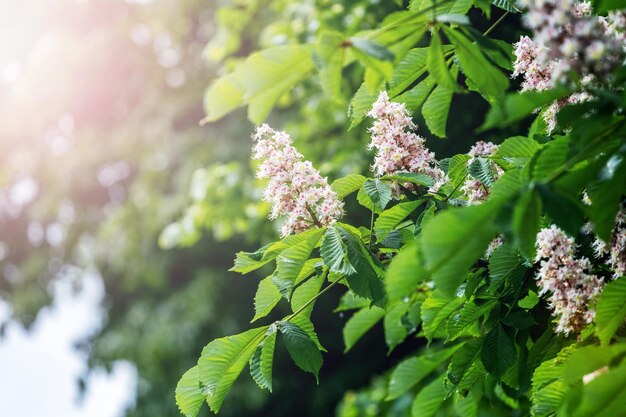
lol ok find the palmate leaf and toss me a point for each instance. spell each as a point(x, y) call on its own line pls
point(409, 69)
point(611, 310)
point(306, 324)
point(261, 362)
point(189, 395)
point(430, 398)
point(507, 5)
point(411, 371)
point(291, 261)
point(525, 222)
point(504, 263)
point(453, 240)
point(604, 396)
point(411, 177)
point(436, 310)
point(606, 196)
point(347, 185)
point(416, 96)
point(222, 361)
point(480, 169)
point(465, 367)
point(491, 83)
point(517, 150)
point(437, 64)
point(328, 57)
point(361, 103)
point(266, 298)
point(301, 348)
point(468, 317)
point(359, 324)
point(372, 48)
point(350, 301)
point(404, 273)
point(548, 386)
point(334, 253)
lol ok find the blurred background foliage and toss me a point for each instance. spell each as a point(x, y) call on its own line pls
point(103, 164)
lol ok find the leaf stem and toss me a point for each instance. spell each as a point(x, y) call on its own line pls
point(497, 22)
point(455, 188)
point(312, 300)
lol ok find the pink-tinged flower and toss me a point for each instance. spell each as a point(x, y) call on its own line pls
point(572, 290)
point(567, 39)
point(295, 189)
point(475, 191)
point(495, 244)
point(398, 149)
point(614, 252)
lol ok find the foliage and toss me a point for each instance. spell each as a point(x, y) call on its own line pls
point(433, 263)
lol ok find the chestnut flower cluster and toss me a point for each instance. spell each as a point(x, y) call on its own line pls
point(567, 38)
point(475, 191)
point(573, 289)
point(398, 149)
point(615, 249)
point(295, 190)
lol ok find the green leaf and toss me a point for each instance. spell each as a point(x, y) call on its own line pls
point(507, 5)
point(480, 169)
point(611, 310)
point(189, 395)
point(328, 58)
point(436, 310)
point(291, 262)
point(404, 273)
point(372, 48)
point(437, 64)
point(249, 261)
point(516, 107)
point(395, 329)
point(436, 108)
point(335, 253)
point(359, 324)
point(305, 292)
point(409, 69)
point(565, 211)
point(416, 96)
point(430, 399)
point(379, 192)
point(460, 323)
point(465, 368)
point(306, 324)
point(526, 221)
point(606, 196)
point(604, 396)
point(411, 371)
point(453, 240)
point(504, 263)
point(361, 103)
point(350, 301)
point(347, 185)
point(260, 80)
point(498, 352)
point(607, 5)
point(389, 219)
point(222, 361)
point(266, 298)
point(517, 150)
point(411, 177)
point(491, 83)
point(365, 281)
point(528, 302)
point(301, 348)
point(261, 362)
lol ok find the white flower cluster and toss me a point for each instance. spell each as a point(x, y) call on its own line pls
point(567, 38)
point(573, 289)
point(475, 191)
point(398, 149)
point(296, 190)
point(615, 251)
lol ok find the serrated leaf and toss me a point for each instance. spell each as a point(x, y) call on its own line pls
point(266, 298)
point(404, 273)
point(306, 324)
point(328, 58)
point(305, 292)
point(409, 69)
point(347, 185)
point(430, 399)
point(525, 222)
point(498, 351)
point(261, 362)
point(379, 192)
point(507, 5)
point(411, 177)
point(292, 260)
point(437, 65)
point(505, 263)
point(465, 367)
point(389, 219)
point(395, 330)
point(606, 196)
point(189, 395)
point(360, 104)
point(453, 240)
point(222, 361)
point(350, 301)
point(335, 253)
point(372, 48)
point(436, 108)
point(416, 96)
point(529, 301)
point(461, 321)
point(517, 150)
point(480, 169)
point(411, 371)
point(435, 311)
point(611, 310)
point(491, 83)
point(301, 348)
point(357, 325)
